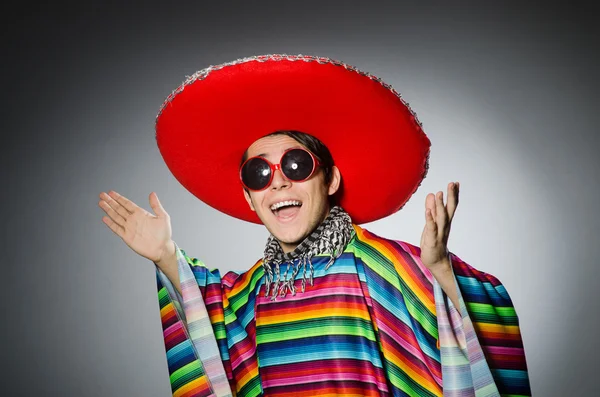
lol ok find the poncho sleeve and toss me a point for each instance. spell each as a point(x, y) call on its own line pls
point(430, 347)
point(194, 353)
point(480, 342)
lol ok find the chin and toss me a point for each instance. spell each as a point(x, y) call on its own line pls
point(291, 237)
point(288, 234)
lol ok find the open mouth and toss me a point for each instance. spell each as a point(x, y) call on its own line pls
point(286, 209)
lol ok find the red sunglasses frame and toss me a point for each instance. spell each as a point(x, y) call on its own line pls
point(275, 167)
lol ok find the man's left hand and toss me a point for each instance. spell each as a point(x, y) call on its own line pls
point(438, 217)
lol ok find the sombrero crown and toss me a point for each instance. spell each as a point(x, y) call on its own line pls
point(204, 127)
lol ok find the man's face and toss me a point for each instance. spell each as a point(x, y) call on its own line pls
point(290, 224)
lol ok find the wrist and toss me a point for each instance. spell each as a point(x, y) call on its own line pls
point(441, 267)
point(167, 254)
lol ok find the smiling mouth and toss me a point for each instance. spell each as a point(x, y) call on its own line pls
point(286, 209)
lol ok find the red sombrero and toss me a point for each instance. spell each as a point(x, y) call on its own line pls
point(376, 140)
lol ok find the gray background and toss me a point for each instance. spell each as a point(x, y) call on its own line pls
point(508, 95)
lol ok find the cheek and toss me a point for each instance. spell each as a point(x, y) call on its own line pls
point(255, 200)
point(319, 192)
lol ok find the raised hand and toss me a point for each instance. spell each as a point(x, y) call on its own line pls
point(438, 217)
point(147, 234)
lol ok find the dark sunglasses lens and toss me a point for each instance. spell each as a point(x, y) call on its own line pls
point(297, 164)
point(256, 174)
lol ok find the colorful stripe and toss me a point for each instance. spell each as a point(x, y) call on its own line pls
point(187, 376)
point(369, 326)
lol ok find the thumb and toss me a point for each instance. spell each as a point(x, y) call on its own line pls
point(156, 206)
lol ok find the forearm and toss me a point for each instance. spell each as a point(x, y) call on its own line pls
point(445, 277)
point(168, 265)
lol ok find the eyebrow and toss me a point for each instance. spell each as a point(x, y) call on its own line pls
point(292, 147)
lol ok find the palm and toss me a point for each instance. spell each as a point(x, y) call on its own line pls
point(431, 251)
point(145, 233)
point(434, 239)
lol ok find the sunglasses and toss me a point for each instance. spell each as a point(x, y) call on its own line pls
point(296, 165)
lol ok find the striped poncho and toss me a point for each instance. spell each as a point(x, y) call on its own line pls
point(375, 323)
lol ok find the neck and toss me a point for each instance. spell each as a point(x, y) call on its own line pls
point(287, 248)
point(329, 239)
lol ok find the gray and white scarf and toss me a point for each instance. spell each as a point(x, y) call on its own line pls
point(330, 237)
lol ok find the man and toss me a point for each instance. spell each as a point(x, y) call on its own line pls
point(331, 309)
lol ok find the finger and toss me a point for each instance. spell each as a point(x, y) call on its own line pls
point(442, 214)
point(118, 230)
point(430, 225)
point(452, 199)
point(156, 205)
point(116, 206)
point(114, 216)
point(124, 201)
point(430, 204)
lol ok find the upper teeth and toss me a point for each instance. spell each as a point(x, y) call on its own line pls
point(284, 203)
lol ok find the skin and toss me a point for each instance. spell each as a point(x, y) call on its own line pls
point(434, 239)
point(313, 193)
point(149, 235)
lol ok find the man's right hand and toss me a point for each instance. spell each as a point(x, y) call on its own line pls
point(147, 234)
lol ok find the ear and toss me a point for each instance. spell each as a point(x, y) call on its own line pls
point(248, 200)
point(336, 179)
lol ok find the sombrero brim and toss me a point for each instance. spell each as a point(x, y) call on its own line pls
point(376, 140)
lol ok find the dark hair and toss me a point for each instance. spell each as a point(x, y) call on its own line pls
point(315, 146)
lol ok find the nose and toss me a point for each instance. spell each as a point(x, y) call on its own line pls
point(279, 181)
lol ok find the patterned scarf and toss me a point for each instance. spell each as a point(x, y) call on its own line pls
point(330, 237)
